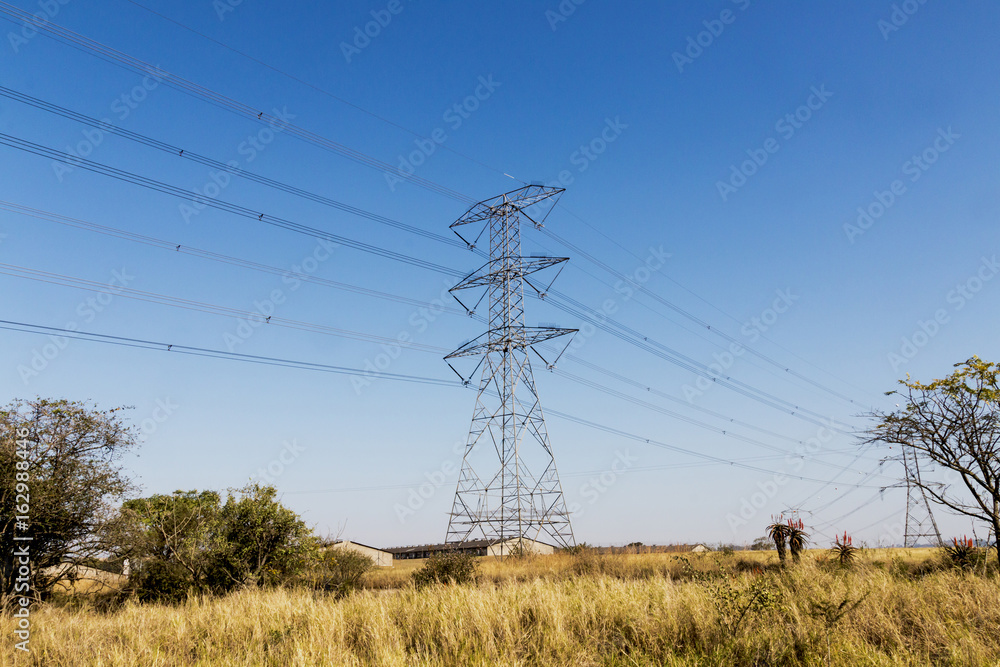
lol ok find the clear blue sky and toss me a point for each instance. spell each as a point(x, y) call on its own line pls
point(647, 127)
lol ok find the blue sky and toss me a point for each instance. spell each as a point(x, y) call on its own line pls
point(746, 158)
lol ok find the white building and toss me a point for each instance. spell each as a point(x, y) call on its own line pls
point(380, 557)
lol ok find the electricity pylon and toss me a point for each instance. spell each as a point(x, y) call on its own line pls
point(508, 487)
point(920, 521)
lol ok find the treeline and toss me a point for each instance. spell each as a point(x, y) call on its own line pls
point(65, 494)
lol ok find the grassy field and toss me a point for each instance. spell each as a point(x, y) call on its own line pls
point(893, 607)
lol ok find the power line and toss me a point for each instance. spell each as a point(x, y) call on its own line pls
point(571, 475)
point(321, 90)
point(675, 448)
point(109, 54)
point(643, 342)
point(114, 56)
point(448, 148)
point(23, 327)
point(632, 336)
point(174, 348)
point(188, 304)
point(629, 335)
point(702, 299)
point(170, 246)
point(158, 186)
point(217, 257)
point(692, 317)
point(177, 151)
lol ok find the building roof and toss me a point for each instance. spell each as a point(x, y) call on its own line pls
point(367, 546)
point(450, 546)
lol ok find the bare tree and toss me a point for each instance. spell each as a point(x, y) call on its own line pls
point(954, 424)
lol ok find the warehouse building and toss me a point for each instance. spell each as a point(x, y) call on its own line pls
point(474, 547)
point(381, 557)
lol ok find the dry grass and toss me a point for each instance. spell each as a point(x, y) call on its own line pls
point(560, 610)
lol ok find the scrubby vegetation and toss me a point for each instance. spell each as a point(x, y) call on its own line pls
point(910, 607)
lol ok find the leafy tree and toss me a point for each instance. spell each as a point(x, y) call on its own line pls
point(171, 541)
point(337, 570)
point(191, 542)
point(258, 540)
point(69, 465)
point(952, 423)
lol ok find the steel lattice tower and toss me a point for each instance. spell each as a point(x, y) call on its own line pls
point(919, 518)
point(508, 486)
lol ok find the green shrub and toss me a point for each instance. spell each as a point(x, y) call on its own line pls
point(160, 581)
point(338, 571)
point(964, 554)
point(450, 567)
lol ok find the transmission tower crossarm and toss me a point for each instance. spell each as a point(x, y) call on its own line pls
point(526, 337)
point(484, 276)
point(518, 199)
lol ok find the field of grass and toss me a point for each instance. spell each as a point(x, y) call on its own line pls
point(893, 607)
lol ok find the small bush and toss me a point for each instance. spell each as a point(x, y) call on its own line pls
point(844, 550)
point(160, 581)
point(964, 554)
point(450, 567)
point(338, 571)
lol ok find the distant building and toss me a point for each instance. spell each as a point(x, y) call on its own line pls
point(381, 557)
point(699, 549)
point(474, 547)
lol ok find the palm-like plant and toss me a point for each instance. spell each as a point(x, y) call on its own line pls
point(963, 552)
point(778, 532)
point(844, 549)
point(797, 538)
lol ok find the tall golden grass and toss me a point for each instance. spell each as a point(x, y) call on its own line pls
point(890, 609)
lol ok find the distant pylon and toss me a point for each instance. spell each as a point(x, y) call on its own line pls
point(508, 486)
point(920, 521)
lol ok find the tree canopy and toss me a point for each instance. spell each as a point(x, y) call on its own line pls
point(66, 455)
point(953, 424)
